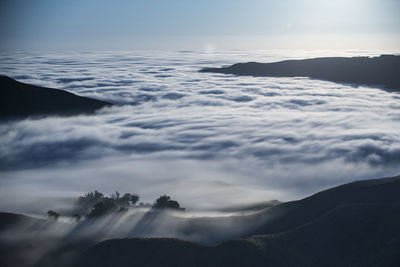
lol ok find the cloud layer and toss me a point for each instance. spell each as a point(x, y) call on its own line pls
point(176, 128)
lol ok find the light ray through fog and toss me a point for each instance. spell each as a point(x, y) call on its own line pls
point(50, 235)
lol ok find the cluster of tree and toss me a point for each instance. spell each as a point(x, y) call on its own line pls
point(165, 202)
point(96, 204)
point(96, 197)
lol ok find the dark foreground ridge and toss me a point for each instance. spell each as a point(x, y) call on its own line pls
point(356, 224)
point(382, 71)
point(351, 225)
point(20, 100)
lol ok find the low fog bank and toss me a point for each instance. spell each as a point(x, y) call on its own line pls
point(143, 222)
point(200, 185)
point(38, 240)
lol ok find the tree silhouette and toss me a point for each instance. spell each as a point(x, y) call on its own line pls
point(53, 215)
point(90, 198)
point(165, 202)
point(130, 199)
point(105, 206)
point(95, 204)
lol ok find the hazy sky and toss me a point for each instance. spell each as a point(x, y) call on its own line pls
point(206, 24)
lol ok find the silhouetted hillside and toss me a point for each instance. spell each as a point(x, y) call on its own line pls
point(356, 224)
point(383, 70)
point(8, 220)
point(351, 225)
point(293, 214)
point(14, 253)
point(20, 99)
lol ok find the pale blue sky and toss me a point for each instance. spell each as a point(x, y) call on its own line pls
point(206, 24)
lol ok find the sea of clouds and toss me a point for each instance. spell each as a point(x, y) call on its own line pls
point(208, 140)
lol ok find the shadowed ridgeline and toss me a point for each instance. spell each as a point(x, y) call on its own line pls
point(350, 225)
point(381, 71)
point(356, 224)
point(20, 100)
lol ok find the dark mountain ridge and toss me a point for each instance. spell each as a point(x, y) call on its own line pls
point(381, 71)
point(20, 100)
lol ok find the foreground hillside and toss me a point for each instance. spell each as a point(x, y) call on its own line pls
point(351, 225)
point(20, 99)
point(356, 224)
point(383, 70)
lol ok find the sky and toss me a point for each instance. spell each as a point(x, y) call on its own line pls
point(208, 24)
